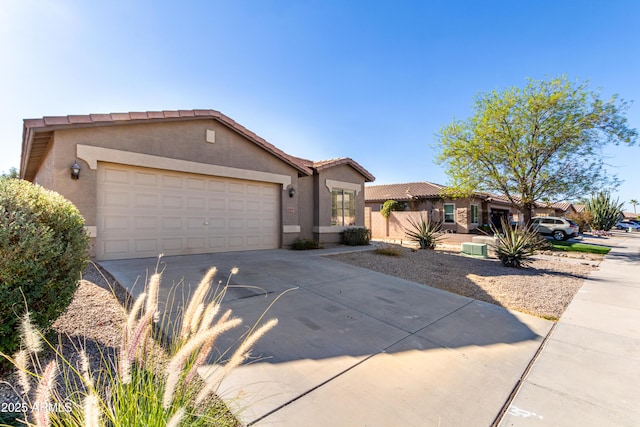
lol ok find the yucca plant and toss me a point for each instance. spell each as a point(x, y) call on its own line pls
point(516, 245)
point(424, 232)
point(142, 383)
point(605, 212)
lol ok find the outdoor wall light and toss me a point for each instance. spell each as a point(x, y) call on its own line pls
point(75, 170)
point(292, 191)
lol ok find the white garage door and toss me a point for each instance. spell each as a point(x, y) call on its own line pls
point(143, 212)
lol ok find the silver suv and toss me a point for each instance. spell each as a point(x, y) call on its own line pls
point(559, 228)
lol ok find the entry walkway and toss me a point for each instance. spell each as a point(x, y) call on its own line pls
point(588, 373)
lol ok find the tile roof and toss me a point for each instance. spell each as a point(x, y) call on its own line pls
point(37, 132)
point(402, 192)
point(326, 164)
point(424, 189)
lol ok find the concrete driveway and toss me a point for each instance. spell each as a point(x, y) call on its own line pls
point(358, 348)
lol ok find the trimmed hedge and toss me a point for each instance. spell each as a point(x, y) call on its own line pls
point(43, 250)
point(356, 236)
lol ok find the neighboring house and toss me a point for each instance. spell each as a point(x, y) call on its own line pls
point(457, 215)
point(462, 215)
point(186, 182)
point(559, 209)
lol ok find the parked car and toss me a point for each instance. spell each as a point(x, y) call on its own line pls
point(628, 225)
point(558, 228)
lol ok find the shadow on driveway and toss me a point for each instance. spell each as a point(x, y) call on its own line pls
point(456, 358)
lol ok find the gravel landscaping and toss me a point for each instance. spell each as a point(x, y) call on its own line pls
point(543, 289)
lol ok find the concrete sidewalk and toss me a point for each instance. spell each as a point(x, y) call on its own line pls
point(588, 372)
point(358, 348)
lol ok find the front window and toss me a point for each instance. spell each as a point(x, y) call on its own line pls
point(343, 207)
point(449, 215)
point(474, 214)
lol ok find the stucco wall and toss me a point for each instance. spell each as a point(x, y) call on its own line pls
point(323, 230)
point(434, 208)
point(184, 140)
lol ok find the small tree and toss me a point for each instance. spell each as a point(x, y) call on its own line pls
point(633, 202)
point(543, 141)
point(604, 210)
point(12, 174)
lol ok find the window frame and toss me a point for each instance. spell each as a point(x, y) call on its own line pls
point(335, 210)
point(477, 213)
point(452, 214)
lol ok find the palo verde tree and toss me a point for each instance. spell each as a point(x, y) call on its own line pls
point(542, 142)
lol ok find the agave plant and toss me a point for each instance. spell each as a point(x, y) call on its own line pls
point(424, 232)
point(516, 245)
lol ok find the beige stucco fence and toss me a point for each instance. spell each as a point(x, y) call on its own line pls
point(394, 227)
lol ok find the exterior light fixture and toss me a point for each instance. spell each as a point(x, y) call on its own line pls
point(75, 170)
point(292, 191)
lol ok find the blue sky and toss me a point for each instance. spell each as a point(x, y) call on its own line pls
point(374, 81)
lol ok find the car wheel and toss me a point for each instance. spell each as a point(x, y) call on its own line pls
point(559, 235)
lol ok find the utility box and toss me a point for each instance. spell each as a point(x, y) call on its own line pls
point(475, 249)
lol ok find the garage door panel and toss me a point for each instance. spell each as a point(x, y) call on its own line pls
point(217, 205)
point(116, 176)
point(172, 223)
point(174, 182)
point(217, 186)
point(146, 223)
point(217, 224)
point(236, 188)
point(196, 243)
point(116, 224)
point(217, 242)
point(171, 245)
point(147, 245)
point(146, 201)
point(196, 184)
point(196, 223)
point(143, 212)
point(236, 205)
point(116, 248)
point(196, 203)
point(146, 179)
point(172, 202)
point(236, 242)
point(116, 199)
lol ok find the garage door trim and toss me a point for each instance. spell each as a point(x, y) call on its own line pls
point(92, 155)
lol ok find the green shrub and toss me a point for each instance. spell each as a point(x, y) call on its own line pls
point(583, 219)
point(390, 206)
point(43, 250)
point(424, 232)
point(515, 245)
point(305, 244)
point(356, 236)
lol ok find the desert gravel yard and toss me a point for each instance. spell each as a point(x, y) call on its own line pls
point(544, 289)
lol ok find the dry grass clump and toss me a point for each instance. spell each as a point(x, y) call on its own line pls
point(389, 250)
point(140, 383)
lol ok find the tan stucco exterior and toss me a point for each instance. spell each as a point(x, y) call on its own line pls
point(204, 146)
